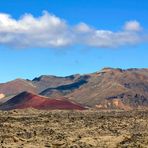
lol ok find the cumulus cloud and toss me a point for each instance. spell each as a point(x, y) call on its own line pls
point(132, 26)
point(49, 30)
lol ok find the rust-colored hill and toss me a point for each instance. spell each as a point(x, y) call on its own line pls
point(29, 100)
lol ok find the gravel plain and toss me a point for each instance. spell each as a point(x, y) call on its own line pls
point(73, 129)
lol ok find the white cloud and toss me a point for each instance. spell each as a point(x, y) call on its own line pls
point(51, 31)
point(132, 26)
point(82, 27)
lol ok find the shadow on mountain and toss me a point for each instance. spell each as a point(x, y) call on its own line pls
point(64, 89)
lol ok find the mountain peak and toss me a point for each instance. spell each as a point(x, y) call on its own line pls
point(109, 69)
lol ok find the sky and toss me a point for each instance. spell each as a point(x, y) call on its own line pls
point(64, 37)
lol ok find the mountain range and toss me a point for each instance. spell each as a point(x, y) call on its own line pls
point(109, 88)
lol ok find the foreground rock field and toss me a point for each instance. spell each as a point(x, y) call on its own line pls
point(73, 129)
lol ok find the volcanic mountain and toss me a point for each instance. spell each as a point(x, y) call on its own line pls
point(37, 85)
point(29, 100)
point(15, 87)
point(65, 89)
point(110, 88)
point(47, 81)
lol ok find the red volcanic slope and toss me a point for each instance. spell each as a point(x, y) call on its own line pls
point(29, 100)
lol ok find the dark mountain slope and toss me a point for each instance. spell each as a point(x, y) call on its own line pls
point(44, 82)
point(65, 89)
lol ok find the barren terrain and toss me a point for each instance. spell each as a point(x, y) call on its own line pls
point(73, 129)
point(109, 88)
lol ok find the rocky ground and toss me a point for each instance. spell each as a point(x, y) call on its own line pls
point(73, 129)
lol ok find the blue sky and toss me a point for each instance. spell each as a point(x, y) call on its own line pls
point(34, 59)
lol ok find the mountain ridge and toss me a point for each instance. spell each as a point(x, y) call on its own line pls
point(109, 88)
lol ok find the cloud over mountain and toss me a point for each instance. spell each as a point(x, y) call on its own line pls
point(49, 30)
